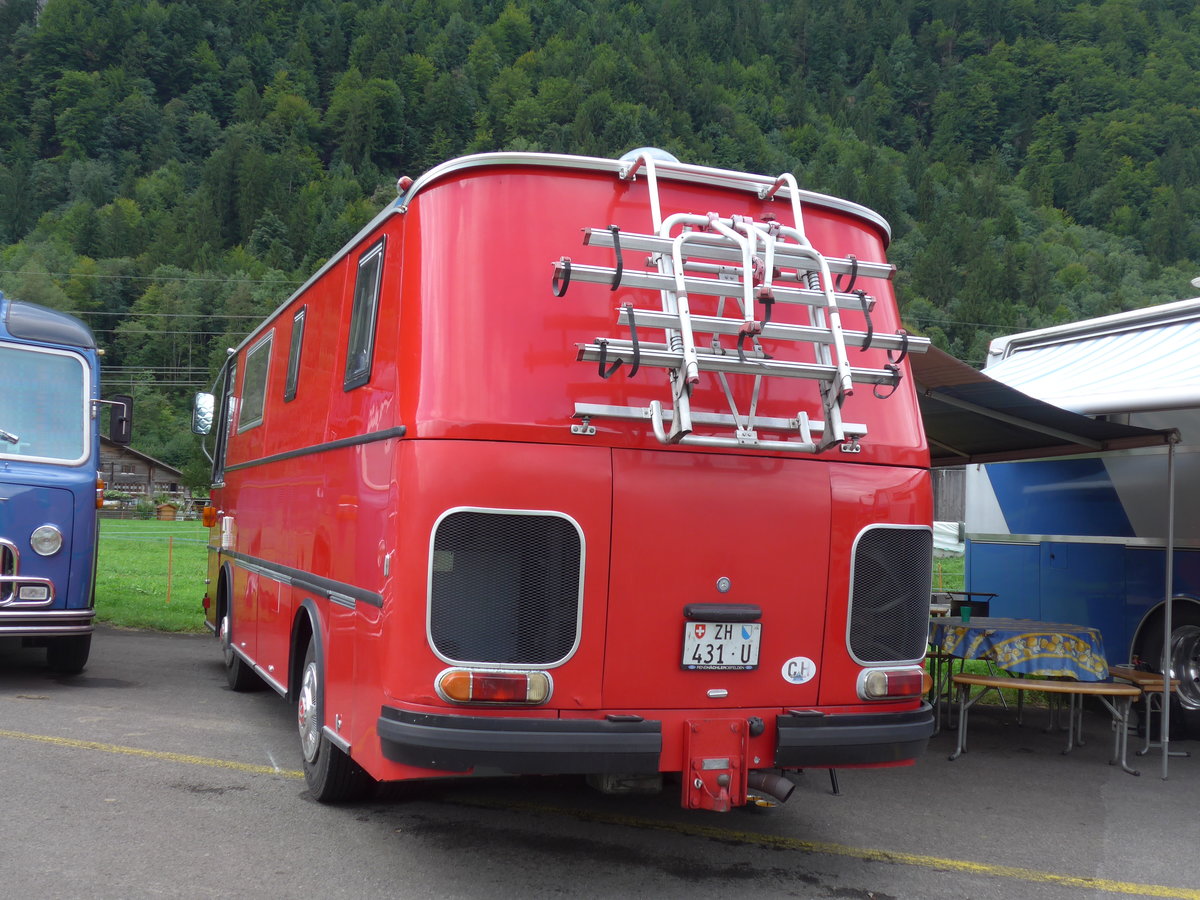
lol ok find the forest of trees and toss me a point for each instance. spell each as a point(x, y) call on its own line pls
point(171, 171)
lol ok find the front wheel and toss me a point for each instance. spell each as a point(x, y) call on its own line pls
point(69, 655)
point(331, 775)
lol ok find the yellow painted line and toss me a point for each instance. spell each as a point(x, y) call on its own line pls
point(152, 754)
point(779, 842)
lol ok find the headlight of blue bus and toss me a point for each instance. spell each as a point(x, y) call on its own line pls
point(46, 540)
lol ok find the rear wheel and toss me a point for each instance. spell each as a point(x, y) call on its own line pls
point(1184, 660)
point(331, 775)
point(238, 672)
point(1185, 664)
point(69, 655)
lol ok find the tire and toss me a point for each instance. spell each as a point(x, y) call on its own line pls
point(68, 655)
point(238, 673)
point(331, 775)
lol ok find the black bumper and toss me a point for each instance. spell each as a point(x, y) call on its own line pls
point(811, 739)
point(520, 746)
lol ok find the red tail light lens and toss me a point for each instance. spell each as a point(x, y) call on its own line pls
point(893, 684)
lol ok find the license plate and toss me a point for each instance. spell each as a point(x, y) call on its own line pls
point(721, 645)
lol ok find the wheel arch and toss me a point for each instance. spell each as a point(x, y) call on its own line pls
point(1147, 640)
point(224, 595)
point(306, 627)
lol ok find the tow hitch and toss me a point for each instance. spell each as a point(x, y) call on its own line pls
point(715, 777)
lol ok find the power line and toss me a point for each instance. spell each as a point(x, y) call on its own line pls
point(198, 278)
point(121, 370)
point(150, 331)
point(162, 315)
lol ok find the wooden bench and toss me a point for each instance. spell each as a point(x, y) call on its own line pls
point(1116, 697)
point(1151, 684)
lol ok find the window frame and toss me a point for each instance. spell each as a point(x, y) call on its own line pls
point(80, 415)
point(295, 348)
point(364, 316)
point(253, 407)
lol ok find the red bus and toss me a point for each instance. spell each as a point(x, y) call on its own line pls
point(578, 465)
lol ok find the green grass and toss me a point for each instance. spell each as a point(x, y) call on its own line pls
point(132, 585)
point(948, 573)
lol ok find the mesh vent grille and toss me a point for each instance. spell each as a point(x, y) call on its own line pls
point(505, 588)
point(889, 594)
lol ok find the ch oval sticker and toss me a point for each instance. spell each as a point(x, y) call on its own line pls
point(799, 669)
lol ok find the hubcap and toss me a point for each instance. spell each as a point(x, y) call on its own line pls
point(308, 713)
point(1185, 663)
point(226, 647)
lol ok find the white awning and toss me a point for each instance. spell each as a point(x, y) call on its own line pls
point(1138, 361)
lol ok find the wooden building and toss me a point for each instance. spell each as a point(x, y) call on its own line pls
point(125, 469)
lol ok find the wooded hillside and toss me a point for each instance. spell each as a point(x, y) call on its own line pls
point(171, 171)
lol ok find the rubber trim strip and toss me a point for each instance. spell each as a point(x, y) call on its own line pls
point(334, 591)
point(397, 432)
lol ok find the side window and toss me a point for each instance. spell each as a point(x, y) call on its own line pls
point(361, 346)
point(293, 366)
point(254, 383)
point(224, 420)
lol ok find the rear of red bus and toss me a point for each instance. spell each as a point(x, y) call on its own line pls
point(575, 582)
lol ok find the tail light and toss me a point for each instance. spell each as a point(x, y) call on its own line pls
point(484, 686)
point(900, 683)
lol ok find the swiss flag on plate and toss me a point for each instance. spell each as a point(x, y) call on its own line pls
point(699, 630)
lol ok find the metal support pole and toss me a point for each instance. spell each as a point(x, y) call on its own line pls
point(1167, 628)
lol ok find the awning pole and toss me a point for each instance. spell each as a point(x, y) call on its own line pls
point(1166, 651)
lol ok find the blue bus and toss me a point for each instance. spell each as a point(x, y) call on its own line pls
point(50, 488)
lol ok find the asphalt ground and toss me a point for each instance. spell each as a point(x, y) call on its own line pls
point(147, 777)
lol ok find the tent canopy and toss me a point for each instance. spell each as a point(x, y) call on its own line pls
point(971, 418)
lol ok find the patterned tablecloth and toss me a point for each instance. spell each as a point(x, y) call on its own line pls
point(1024, 646)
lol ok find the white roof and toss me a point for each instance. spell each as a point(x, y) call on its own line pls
point(1147, 359)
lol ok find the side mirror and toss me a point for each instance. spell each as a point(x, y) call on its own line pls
point(202, 413)
point(120, 419)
